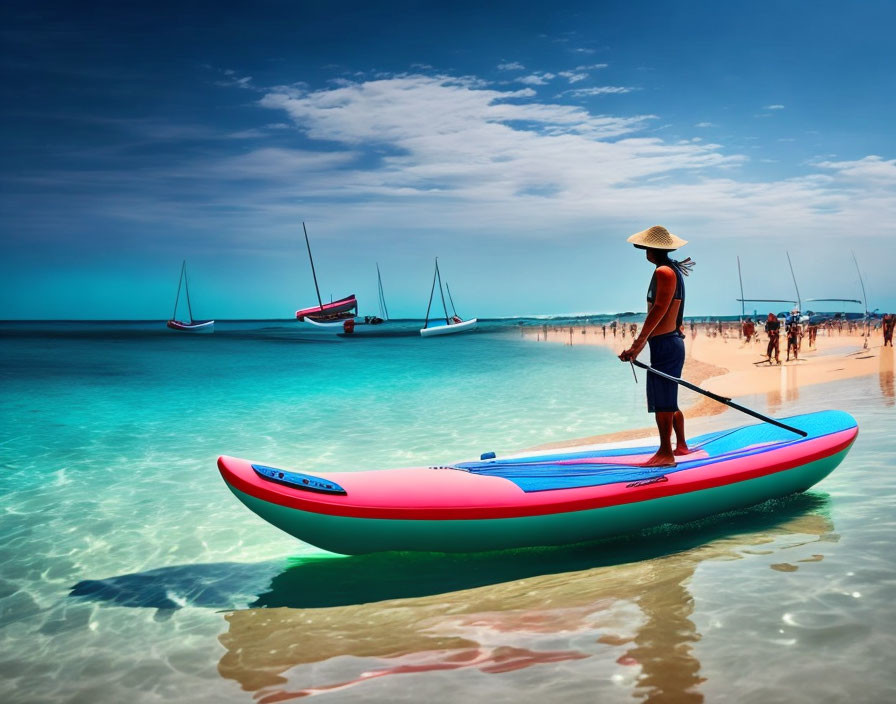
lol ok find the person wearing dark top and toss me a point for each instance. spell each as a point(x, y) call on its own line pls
point(662, 331)
point(773, 328)
point(793, 335)
point(748, 329)
point(888, 322)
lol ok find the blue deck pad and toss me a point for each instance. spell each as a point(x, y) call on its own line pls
point(543, 473)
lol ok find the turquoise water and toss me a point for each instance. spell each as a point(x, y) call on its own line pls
point(130, 573)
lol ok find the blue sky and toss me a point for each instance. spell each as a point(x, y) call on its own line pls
point(521, 144)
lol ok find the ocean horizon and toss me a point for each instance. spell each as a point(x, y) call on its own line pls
point(130, 569)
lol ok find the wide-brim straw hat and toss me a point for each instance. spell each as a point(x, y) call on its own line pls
point(657, 237)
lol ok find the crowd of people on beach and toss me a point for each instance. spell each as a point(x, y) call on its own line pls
point(795, 331)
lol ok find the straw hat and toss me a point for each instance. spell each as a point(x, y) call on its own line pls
point(657, 237)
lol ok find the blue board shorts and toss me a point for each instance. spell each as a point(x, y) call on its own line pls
point(666, 355)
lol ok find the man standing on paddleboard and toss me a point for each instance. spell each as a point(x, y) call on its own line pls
point(663, 332)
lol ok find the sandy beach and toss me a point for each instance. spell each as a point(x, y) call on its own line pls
point(727, 365)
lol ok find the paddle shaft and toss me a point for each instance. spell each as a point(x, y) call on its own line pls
point(720, 399)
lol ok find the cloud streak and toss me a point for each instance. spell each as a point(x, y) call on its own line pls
point(597, 90)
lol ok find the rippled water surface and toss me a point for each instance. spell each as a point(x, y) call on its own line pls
point(130, 573)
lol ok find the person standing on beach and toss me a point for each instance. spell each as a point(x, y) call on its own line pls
point(773, 329)
point(748, 329)
point(663, 332)
point(888, 323)
point(813, 332)
point(793, 335)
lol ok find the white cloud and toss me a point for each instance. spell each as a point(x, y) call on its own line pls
point(232, 80)
point(444, 136)
point(871, 168)
point(475, 154)
point(598, 90)
point(704, 124)
point(580, 73)
point(511, 66)
point(537, 79)
point(773, 107)
point(572, 76)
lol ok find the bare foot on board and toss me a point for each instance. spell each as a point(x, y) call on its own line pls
point(660, 460)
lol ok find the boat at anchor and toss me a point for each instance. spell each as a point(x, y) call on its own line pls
point(453, 324)
point(196, 326)
point(325, 312)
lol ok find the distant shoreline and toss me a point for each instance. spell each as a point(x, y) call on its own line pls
point(580, 319)
point(725, 364)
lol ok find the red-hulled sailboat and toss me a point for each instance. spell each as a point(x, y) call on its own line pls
point(343, 309)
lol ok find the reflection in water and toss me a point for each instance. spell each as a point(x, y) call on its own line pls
point(791, 383)
point(663, 646)
point(886, 375)
point(498, 612)
point(773, 400)
point(788, 390)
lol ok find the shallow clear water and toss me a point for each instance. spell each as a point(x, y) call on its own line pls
point(109, 486)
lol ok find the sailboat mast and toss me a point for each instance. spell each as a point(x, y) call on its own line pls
point(431, 292)
point(448, 288)
point(313, 273)
point(864, 297)
point(180, 280)
point(187, 289)
point(798, 299)
point(441, 292)
point(865, 324)
point(384, 311)
point(741, 279)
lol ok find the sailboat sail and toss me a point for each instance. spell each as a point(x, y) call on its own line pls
point(384, 311)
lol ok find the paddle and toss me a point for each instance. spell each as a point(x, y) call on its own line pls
point(720, 399)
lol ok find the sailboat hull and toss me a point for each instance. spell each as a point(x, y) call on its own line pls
point(198, 326)
point(333, 326)
point(449, 329)
point(328, 310)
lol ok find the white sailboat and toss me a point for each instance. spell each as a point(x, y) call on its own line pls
point(453, 324)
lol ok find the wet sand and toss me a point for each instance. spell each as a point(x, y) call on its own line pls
point(727, 365)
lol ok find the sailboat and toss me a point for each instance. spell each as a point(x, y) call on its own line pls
point(356, 328)
point(384, 310)
point(819, 317)
point(193, 325)
point(743, 301)
point(335, 311)
point(454, 324)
